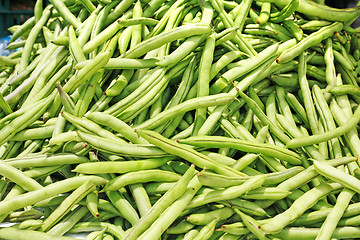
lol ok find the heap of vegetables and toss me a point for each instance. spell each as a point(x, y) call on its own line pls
point(200, 119)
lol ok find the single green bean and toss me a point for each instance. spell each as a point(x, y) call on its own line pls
point(141, 176)
point(268, 149)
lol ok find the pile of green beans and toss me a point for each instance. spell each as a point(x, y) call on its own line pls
point(174, 119)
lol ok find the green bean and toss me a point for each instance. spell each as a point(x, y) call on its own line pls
point(23, 121)
point(297, 107)
point(67, 204)
point(28, 24)
point(299, 206)
point(321, 11)
point(96, 235)
point(204, 80)
point(104, 35)
point(158, 187)
point(125, 63)
point(187, 153)
point(244, 7)
point(86, 125)
point(311, 233)
point(294, 29)
point(271, 150)
point(66, 13)
point(7, 62)
point(207, 231)
point(44, 160)
point(309, 41)
point(139, 177)
point(308, 101)
point(228, 22)
point(120, 167)
point(5, 106)
point(116, 124)
point(11, 149)
point(108, 237)
point(31, 224)
point(58, 77)
point(329, 225)
point(123, 206)
point(153, 94)
point(130, 95)
point(344, 89)
point(21, 216)
point(13, 233)
point(82, 75)
point(336, 175)
point(166, 37)
point(237, 228)
point(181, 227)
point(123, 149)
point(225, 36)
point(244, 161)
point(220, 158)
point(320, 137)
point(118, 9)
point(53, 189)
point(312, 151)
point(285, 12)
point(212, 100)
point(165, 201)
point(117, 231)
point(252, 225)
point(269, 193)
point(92, 202)
point(191, 234)
point(182, 51)
point(141, 198)
point(228, 193)
point(19, 177)
point(118, 84)
point(247, 66)
point(25, 58)
point(180, 95)
point(214, 180)
point(254, 16)
point(74, 46)
point(205, 218)
point(246, 206)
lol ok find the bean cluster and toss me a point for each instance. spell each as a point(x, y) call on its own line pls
point(175, 119)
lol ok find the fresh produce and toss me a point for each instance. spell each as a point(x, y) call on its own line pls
point(200, 119)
